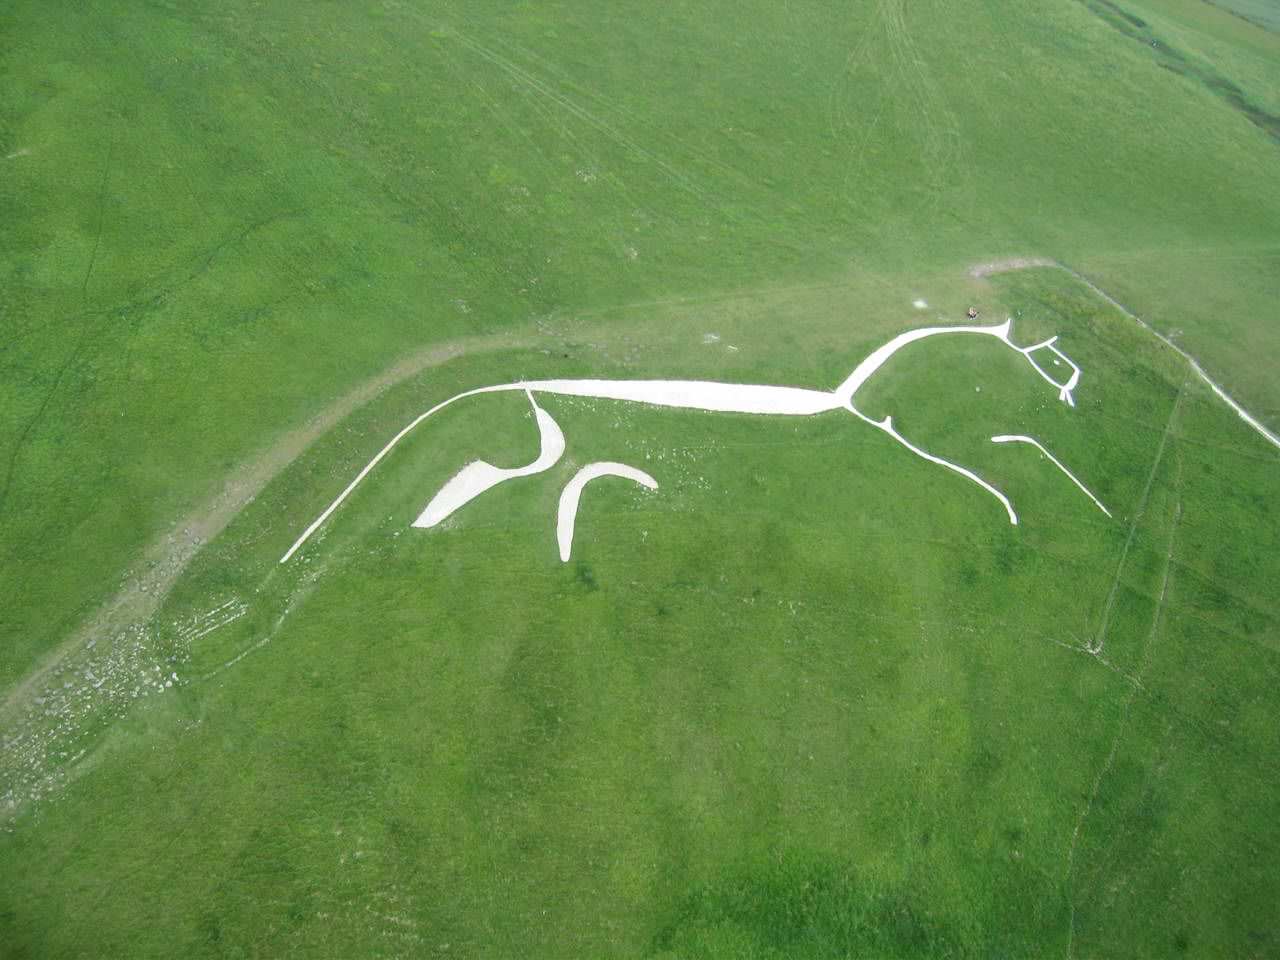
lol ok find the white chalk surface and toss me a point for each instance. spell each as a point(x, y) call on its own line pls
point(707, 396)
point(567, 515)
point(477, 477)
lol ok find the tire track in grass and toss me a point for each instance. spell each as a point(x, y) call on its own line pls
point(840, 118)
point(1143, 663)
point(556, 120)
point(1100, 638)
point(941, 137)
point(532, 83)
point(618, 109)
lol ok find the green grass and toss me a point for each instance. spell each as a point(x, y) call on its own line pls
point(811, 697)
point(1262, 13)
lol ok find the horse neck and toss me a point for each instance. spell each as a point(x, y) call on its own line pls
point(878, 357)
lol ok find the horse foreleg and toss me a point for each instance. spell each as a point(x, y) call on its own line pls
point(887, 426)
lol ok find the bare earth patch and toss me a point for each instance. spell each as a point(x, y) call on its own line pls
point(980, 270)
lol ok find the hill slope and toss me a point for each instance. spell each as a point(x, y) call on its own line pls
point(812, 694)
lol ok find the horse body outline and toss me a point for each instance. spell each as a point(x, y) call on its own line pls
point(705, 395)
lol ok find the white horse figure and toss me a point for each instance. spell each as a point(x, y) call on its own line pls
point(478, 476)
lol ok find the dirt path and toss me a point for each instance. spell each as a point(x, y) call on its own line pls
point(980, 270)
point(165, 560)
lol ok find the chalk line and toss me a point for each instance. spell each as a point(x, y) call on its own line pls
point(479, 475)
point(704, 395)
point(567, 514)
point(887, 426)
point(1017, 438)
point(377, 458)
point(983, 270)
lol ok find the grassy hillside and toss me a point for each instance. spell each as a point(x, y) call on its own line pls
point(811, 696)
point(1262, 13)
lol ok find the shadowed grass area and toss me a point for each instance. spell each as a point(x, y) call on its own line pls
point(1182, 63)
point(799, 905)
point(1258, 12)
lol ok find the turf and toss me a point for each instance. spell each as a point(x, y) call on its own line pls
point(811, 697)
point(1262, 13)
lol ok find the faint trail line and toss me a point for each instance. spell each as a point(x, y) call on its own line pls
point(196, 265)
point(1251, 605)
point(941, 136)
point(1164, 580)
point(631, 116)
point(81, 341)
point(97, 238)
point(1023, 263)
point(1096, 658)
point(839, 116)
point(533, 83)
point(558, 120)
point(1100, 639)
point(269, 635)
point(1143, 663)
point(16, 453)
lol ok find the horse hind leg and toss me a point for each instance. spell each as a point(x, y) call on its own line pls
point(478, 476)
point(567, 514)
